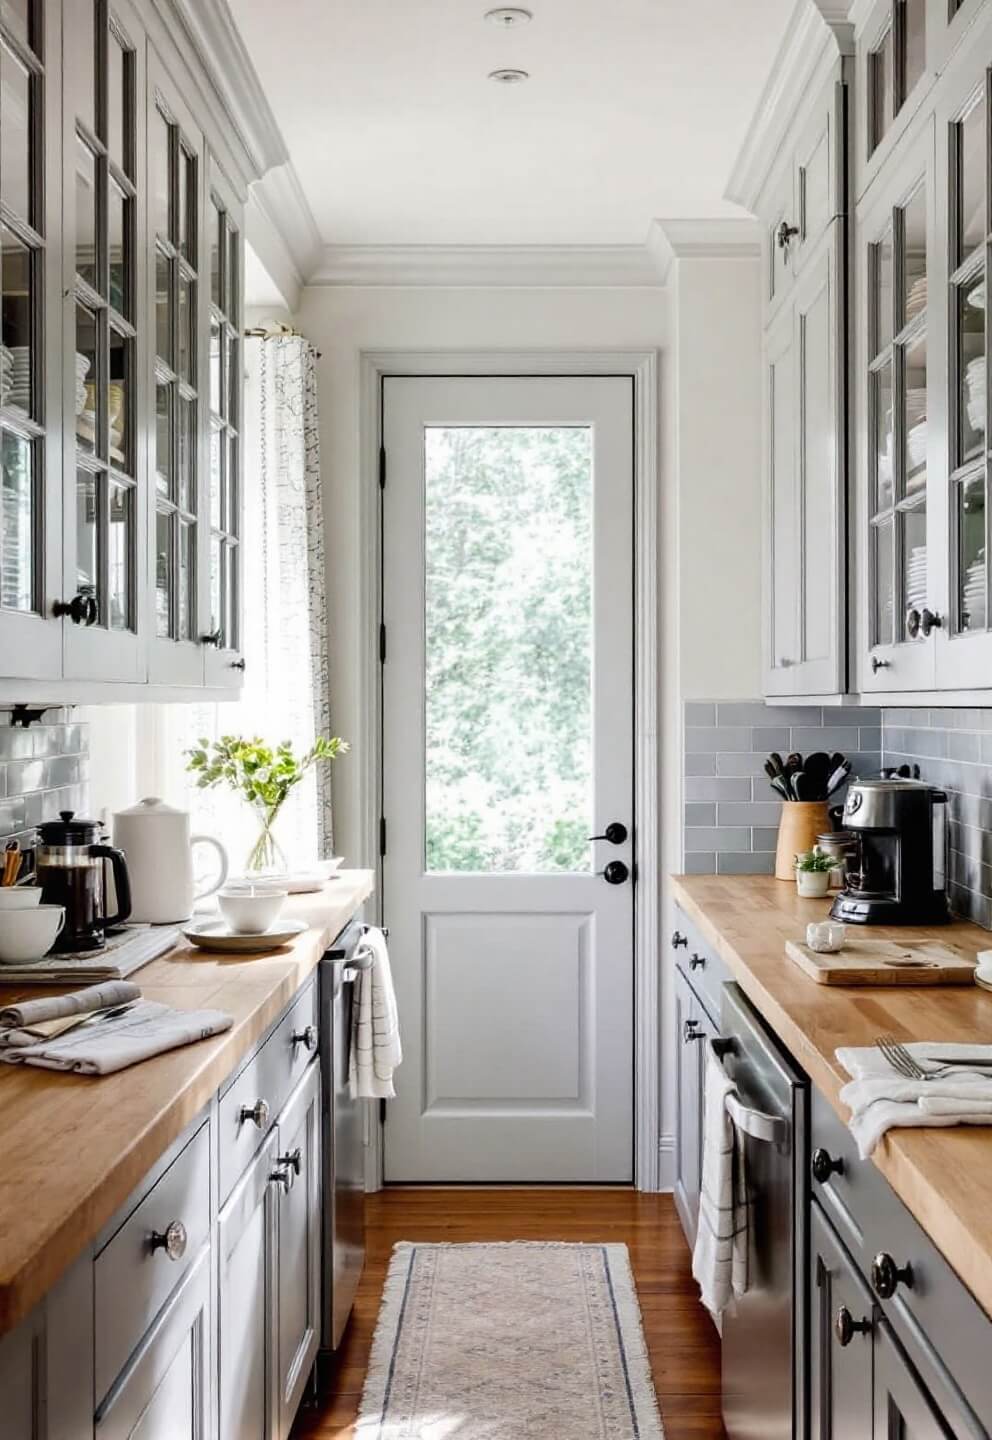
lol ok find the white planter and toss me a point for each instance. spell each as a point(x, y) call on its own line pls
point(813, 884)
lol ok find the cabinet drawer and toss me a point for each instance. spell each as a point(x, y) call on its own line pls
point(257, 1094)
point(701, 966)
point(136, 1271)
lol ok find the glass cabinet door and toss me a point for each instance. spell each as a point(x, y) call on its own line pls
point(104, 459)
point(30, 480)
point(895, 61)
point(223, 584)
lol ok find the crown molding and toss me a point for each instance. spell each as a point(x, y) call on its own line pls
point(716, 239)
point(482, 266)
point(818, 33)
point(281, 229)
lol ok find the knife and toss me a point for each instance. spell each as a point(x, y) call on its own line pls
point(985, 1061)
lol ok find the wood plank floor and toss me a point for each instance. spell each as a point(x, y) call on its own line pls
point(683, 1345)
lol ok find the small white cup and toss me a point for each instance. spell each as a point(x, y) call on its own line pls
point(27, 935)
point(251, 912)
point(19, 897)
point(826, 937)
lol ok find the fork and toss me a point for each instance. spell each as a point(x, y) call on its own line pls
point(909, 1067)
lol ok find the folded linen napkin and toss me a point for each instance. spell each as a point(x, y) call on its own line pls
point(720, 1254)
point(375, 1039)
point(18, 1021)
point(101, 1047)
point(881, 1099)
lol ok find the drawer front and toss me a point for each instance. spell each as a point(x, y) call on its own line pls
point(701, 965)
point(934, 1304)
point(251, 1103)
point(136, 1271)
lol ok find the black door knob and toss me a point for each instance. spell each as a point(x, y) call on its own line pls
point(615, 833)
point(616, 873)
point(886, 1276)
point(823, 1165)
point(846, 1327)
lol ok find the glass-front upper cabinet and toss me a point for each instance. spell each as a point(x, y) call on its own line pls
point(177, 261)
point(223, 597)
point(893, 61)
point(30, 459)
point(894, 430)
point(103, 393)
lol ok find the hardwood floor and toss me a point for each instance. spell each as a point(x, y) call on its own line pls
point(682, 1343)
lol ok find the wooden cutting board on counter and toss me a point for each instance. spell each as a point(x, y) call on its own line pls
point(884, 962)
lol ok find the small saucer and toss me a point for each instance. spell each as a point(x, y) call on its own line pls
point(218, 935)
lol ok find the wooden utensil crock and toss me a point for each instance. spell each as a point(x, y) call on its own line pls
point(800, 823)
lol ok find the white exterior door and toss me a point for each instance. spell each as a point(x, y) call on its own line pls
point(507, 743)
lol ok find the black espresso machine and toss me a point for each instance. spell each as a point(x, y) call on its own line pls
point(896, 876)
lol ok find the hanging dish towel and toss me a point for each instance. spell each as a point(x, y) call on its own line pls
point(720, 1256)
point(375, 1028)
point(881, 1099)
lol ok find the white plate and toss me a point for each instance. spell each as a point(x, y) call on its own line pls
point(218, 935)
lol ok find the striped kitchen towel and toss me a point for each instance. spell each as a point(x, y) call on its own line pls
point(375, 1037)
point(720, 1255)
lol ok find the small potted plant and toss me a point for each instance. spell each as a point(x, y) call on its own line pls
point(813, 872)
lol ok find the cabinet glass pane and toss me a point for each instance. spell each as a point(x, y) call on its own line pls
point(216, 481)
point(163, 439)
point(84, 14)
point(972, 180)
point(18, 16)
point(163, 307)
point(880, 88)
point(233, 285)
point(119, 402)
point(87, 528)
point(232, 370)
point(914, 560)
point(163, 574)
point(187, 450)
point(86, 200)
point(883, 575)
point(882, 405)
point(883, 271)
point(215, 376)
point(86, 418)
point(117, 101)
point(972, 382)
point(230, 591)
point(15, 356)
point(186, 301)
point(15, 137)
point(972, 562)
point(216, 245)
point(186, 579)
point(118, 245)
point(118, 556)
point(216, 584)
point(915, 415)
point(159, 139)
point(914, 267)
point(233, 500)
point(18, 520)
point(914, 19)
point(187, 205)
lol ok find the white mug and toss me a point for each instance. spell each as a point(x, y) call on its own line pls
point(251, 912)
point(19, 897)
point(27, 935)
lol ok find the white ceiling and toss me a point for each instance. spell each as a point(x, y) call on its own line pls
point(635, 109)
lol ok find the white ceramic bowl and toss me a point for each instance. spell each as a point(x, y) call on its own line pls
point(19, 897)
point(251, 914)
point(27, 935)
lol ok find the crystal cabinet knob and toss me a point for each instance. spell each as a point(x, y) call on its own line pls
point(172, 1240)
point(258, 1113)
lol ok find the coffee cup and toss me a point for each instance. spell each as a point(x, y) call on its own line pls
point(29, 934)
point(19, 897)
point(251, 912)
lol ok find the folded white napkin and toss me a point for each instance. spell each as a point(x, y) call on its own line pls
point(103, 1046)
point(720, 1255)
point(881, 1099)
point(16, 1021)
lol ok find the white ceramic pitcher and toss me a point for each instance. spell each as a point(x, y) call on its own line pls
point(159, 848)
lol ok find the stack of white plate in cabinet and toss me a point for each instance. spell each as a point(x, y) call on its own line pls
point(916, 578)
point(975, 381)
point(916, 300)
point(974, 604)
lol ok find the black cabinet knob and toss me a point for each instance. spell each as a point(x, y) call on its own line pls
point(294, 1160)
point(307, 1038)
point(691, 1031)
point(877, 664)
point(846, 1327)
point(238, 664)
point(615, 833)
point(679, 941)
point(823, 1165)
point(82, 609)
point(784, 234)
point(213, 637)
point(697, 962)
point(616, 872)
point(886, 1276)
point(930, 621)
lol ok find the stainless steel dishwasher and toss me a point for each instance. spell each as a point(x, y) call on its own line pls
point(342, 1137)
point(764, 1341)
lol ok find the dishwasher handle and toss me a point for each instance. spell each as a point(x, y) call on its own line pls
point(361, 960)
point(770, 1129)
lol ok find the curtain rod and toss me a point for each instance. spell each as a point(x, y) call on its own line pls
point(280, 332)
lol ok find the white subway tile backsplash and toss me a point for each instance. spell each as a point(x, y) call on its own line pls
point(43, 769)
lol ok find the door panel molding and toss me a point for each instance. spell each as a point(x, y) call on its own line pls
point(642, 366)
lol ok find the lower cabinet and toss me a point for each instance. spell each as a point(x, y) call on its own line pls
point(298, 1237)
point(902, 1408)
point(693, 1028)
point(841, 1333)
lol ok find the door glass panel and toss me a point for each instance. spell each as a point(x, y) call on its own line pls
point(118, 555)
point(117, 243)
point(116, 100)
point(914, 269)
point(185, 581)
point(216, 614)
point(159, 139)
point(18, 513)
point(972, 566)
point(880, 88)
point(216, 244)
point(87, 528)
point(230, 593)
point(215, 380)
point(233, 275)
point(884, 601)
point(163, 573)
point(232, 518)
point(971, 217)
point(883, 265)
point(232, 371)
point(187, 205)
point(119, 400)
point(915, 416)
point(86, 256)
point(915, 29)
point(15, 135)
point(187, 441)
point(508, 639)
point(163, 306)
point(84, 74)
point(15, 357)
point(216, 441)
point(184, 360)
point(884, 468)
point(971, 367)
point(914, 560)
point(163, 439)
point(86, 418)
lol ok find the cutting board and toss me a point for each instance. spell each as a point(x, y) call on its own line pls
point(884, 962)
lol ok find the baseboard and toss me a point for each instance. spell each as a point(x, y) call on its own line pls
point(666, 1163)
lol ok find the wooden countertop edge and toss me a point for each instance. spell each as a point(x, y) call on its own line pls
point(894, 1156)
point(39, 1270)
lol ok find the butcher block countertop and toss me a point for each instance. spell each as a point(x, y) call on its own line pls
point(944, 1177)
point(72, 1147)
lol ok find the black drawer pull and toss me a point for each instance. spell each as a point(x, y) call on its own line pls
point(886, 1277)
point(823, 1165)
point(846, 1327)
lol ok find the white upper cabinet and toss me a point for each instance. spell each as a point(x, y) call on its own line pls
point(896, 52)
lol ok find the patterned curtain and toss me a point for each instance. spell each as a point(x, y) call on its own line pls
point(285, 695)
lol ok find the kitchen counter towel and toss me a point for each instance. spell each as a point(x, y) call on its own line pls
point(103, 1046)
point(375, 1038)
point(880, 1099)
point(17, 1020)
point(720, 1256)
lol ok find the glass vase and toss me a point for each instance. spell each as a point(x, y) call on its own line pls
point(266, 856)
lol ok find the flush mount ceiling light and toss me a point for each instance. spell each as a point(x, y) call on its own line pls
point(509, 77)
point(509, 16)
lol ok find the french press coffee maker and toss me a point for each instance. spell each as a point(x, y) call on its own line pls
point(69, 865)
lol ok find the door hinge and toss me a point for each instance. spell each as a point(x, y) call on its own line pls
point(382, 644)
point(382, 835)
point(382, 467)
point(382, 1112)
